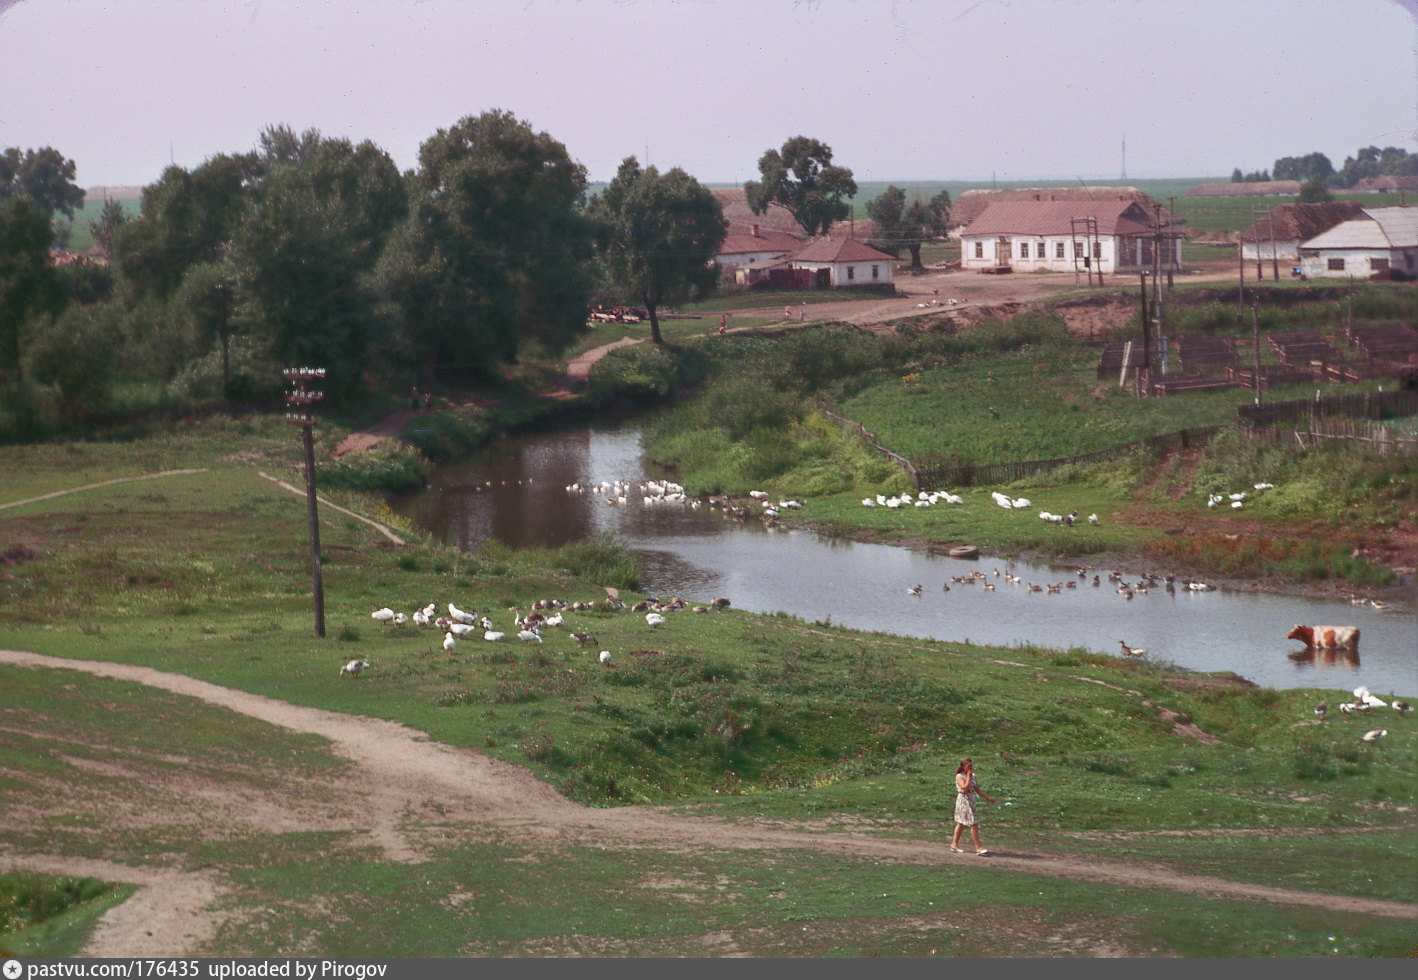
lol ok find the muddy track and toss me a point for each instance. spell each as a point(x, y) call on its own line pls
point(402, 774)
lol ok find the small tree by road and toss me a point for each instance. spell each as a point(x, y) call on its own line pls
point(901, 225)
point(657, 235)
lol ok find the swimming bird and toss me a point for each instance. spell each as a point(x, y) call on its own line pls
point(353, 668)
point(914, 590)
point(1373, 736)
point(385, 615)
point(448, 642)
point(1131, 651)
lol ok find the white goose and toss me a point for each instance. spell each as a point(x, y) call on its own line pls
point(385, 615)
point(460, 616)
point(654, 619)
point(448, 642)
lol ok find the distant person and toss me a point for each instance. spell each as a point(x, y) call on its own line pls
point(428, 401)
point(787, 313)
point(723, 322)
point(415, 399)
point(965, 791)
point(802, 313)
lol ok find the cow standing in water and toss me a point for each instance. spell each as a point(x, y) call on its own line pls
point(1326, 637)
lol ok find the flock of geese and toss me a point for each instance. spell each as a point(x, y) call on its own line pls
point(1144, 584)
point(1365, 701)
point(530, 627)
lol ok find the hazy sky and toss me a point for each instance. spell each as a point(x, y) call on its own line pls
point(900, 89)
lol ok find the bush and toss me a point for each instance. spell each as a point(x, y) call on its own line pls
point(390, 466)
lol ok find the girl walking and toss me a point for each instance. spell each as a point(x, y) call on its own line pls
point(966, 789)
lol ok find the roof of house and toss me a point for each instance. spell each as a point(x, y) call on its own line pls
point(971, 204)
point(838, 250)
point(1254, 188)
point(1386, 183)
point(1114, 217)
point(741, 219)
point(771, 241)
point(1289, 222)
point(1376, 228)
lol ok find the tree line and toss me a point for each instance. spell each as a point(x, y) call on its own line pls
point(1370, 161)
point(314, 250)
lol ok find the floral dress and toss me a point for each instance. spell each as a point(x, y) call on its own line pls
point(965, 803)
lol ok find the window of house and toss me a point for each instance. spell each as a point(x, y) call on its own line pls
point(876, 272)
point(1024, 250)
point(1377, 264)
point(1336, 265)
point(1097, 250)
point(1058, 250)
point(979, 250)
point(1078, 250)
point(851, 272)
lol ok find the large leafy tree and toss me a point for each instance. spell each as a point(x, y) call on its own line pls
point(44, 175)
point(657, 236)
point(802, 178)
point(1305, 168)
point(901, 225)
point(29, 284)
point(186, 218)
point(494, 252)
point(304, 252)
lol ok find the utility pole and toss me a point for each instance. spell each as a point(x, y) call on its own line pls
point(1255, 351)
point(1241, 295)
point(223, 292)
point(1255, 223)
point(1146, 333)
point(1274, 258)
point(302, 400)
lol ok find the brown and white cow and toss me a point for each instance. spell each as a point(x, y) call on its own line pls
point(1326, 637)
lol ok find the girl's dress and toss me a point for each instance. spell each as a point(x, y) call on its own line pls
point(965, 803)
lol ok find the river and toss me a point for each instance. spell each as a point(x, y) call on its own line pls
point(517, 493)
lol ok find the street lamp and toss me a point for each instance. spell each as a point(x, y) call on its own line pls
point(299, 404)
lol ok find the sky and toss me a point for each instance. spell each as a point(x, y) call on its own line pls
point(901, 90)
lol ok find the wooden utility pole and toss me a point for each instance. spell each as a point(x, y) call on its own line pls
point(1255, 350)
point(1241, 294)
point(1146, 335)
point(1274, 258)
point(302, 400)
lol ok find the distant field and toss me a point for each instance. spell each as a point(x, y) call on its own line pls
point(81, 237)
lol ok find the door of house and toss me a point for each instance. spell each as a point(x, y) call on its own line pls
point(1002, 253)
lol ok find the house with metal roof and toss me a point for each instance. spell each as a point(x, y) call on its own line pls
point(1116, 235)
point(1380, 240)
point(1277, 234)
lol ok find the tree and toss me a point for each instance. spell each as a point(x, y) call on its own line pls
point(1314, 191)
point(29, 284)
point(304, 251)
point(113, 217)
point(206, 296)
point(186, 218)
point(901, 225)
point(802, 179)
point(657, 236)
point(1304, 168)
point(496, 248)
point(44, 175)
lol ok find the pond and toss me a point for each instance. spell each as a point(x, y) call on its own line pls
point(517, 493)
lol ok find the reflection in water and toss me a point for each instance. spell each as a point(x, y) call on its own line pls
point(1330, 657)
point(517, 494)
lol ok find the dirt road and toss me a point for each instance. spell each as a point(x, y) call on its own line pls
point(406, 782)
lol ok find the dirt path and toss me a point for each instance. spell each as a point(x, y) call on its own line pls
point(403, 776)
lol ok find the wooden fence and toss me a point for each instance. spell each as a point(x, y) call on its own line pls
point(1254, 419)
point(1331, 417)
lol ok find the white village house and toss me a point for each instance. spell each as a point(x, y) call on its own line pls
point(841, 262)
point(1106, 236)
point(1279, 233)
point(1379, 240)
